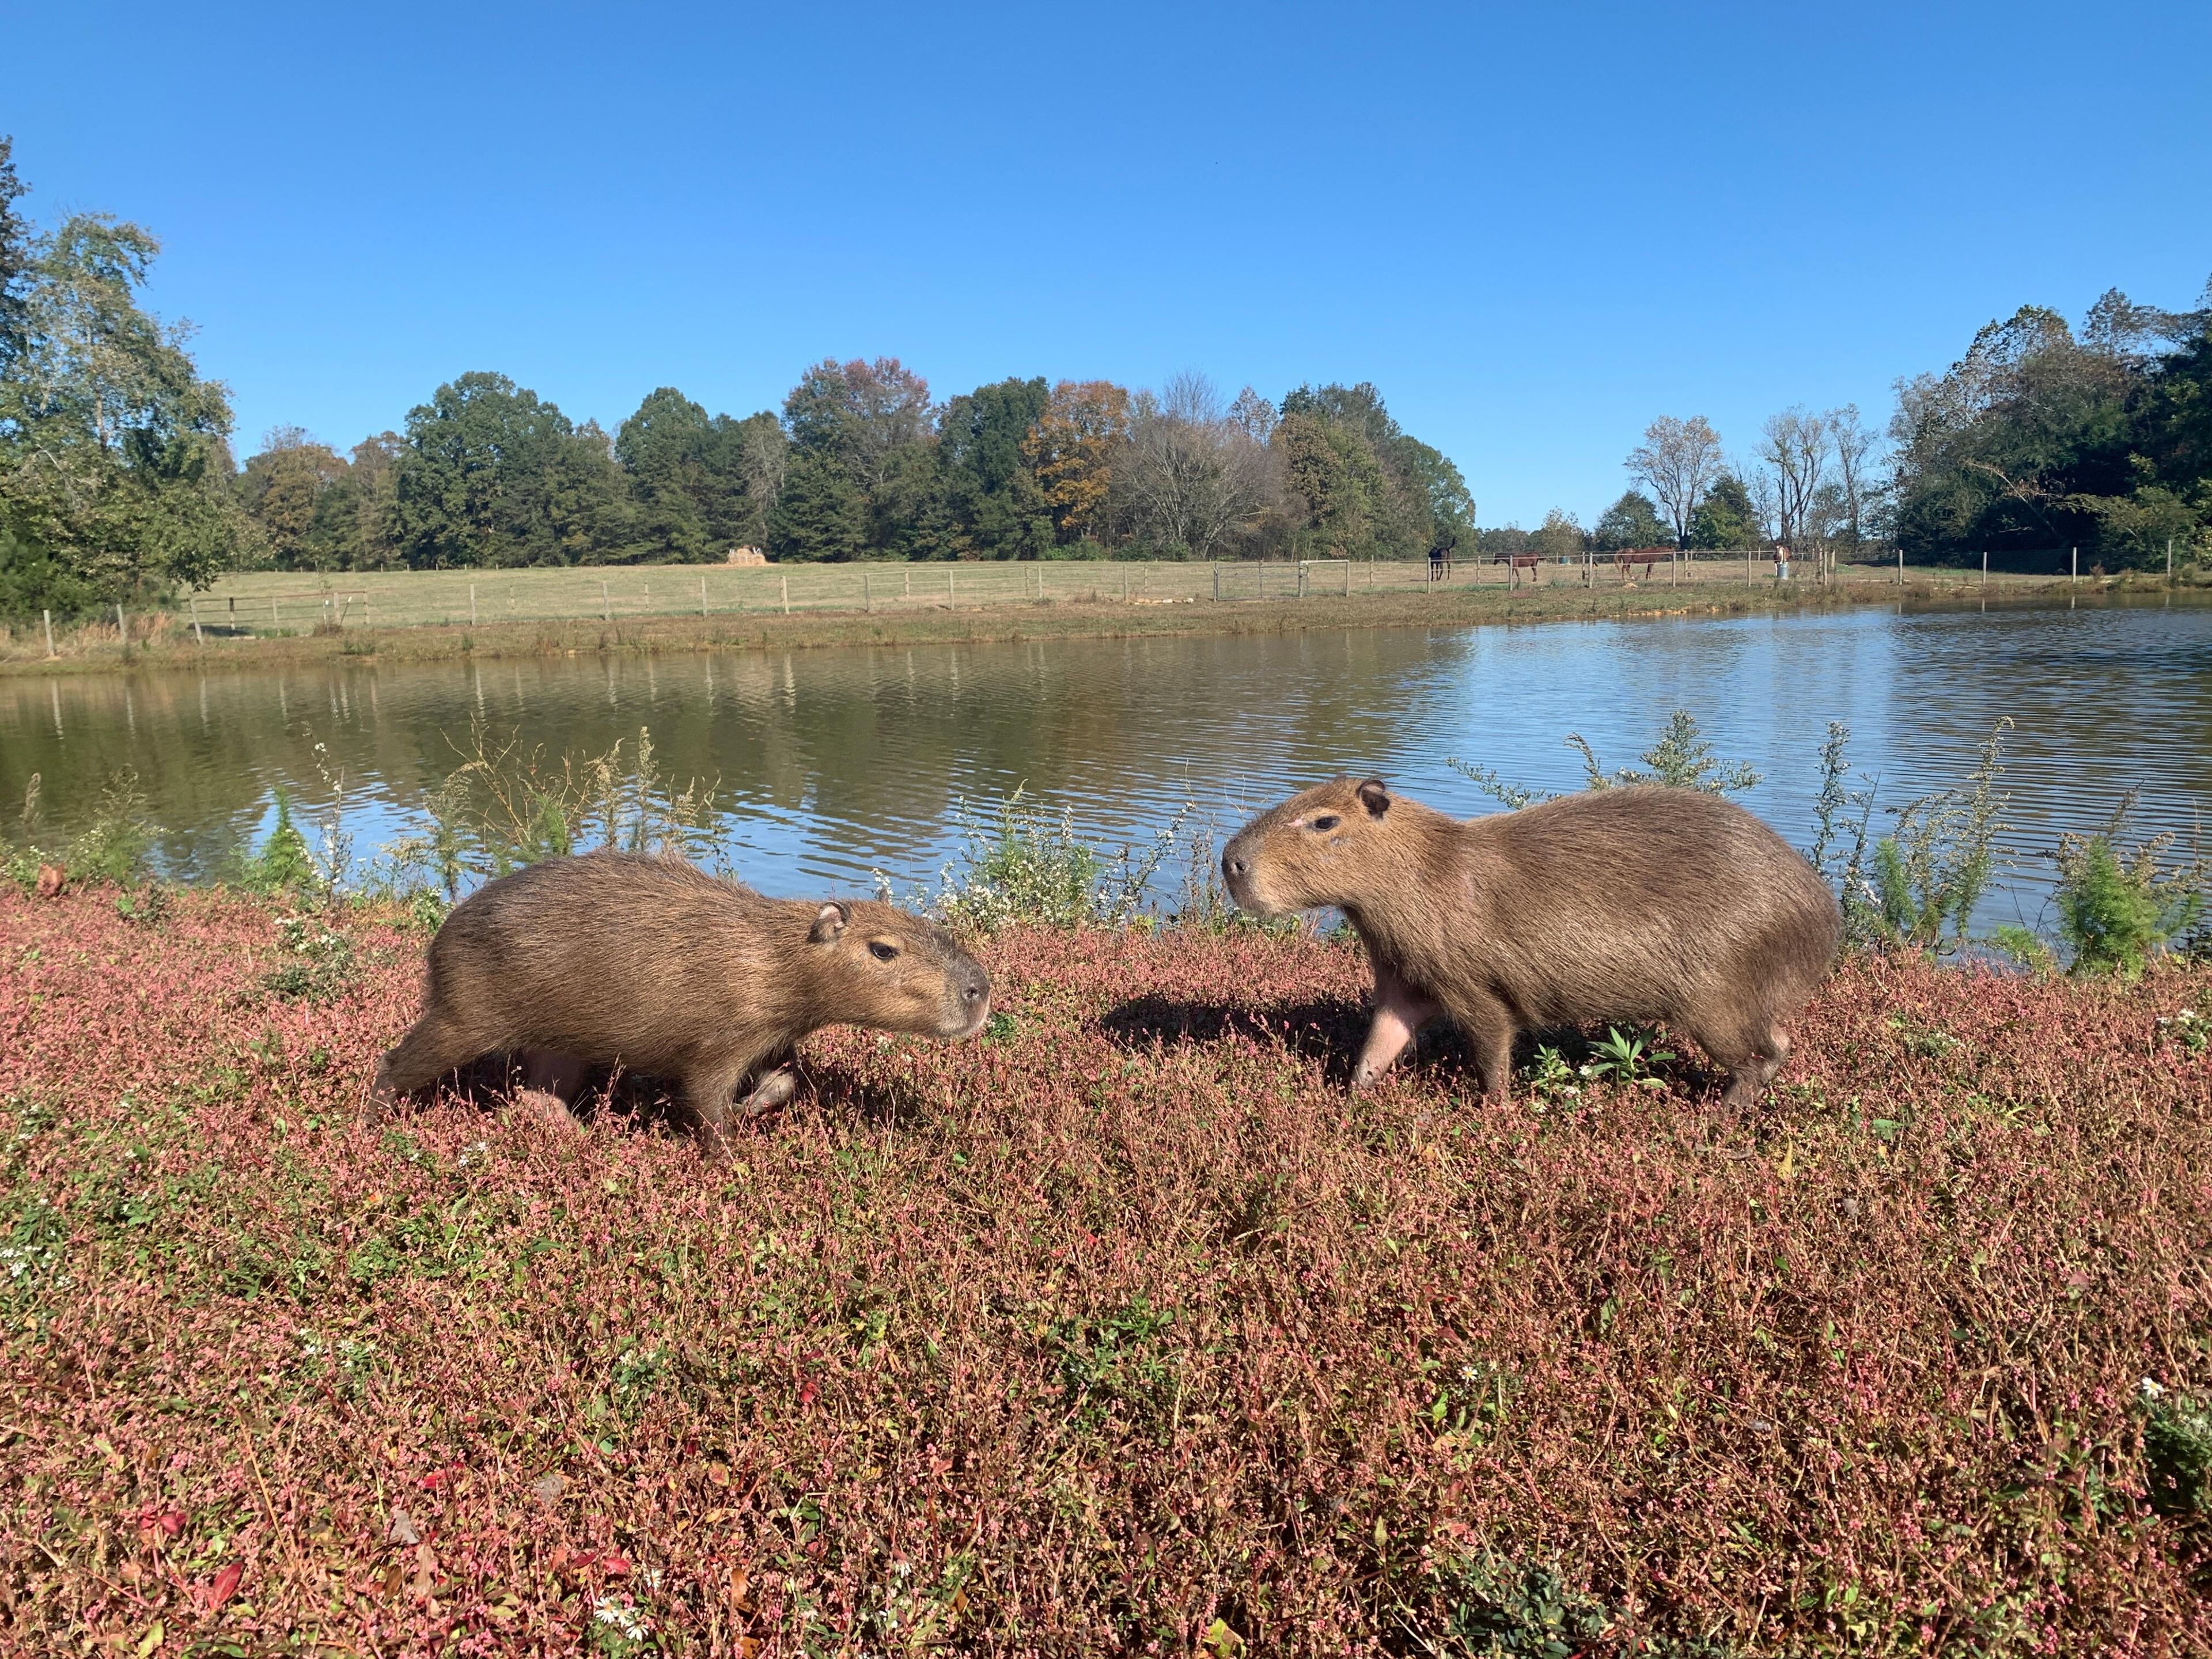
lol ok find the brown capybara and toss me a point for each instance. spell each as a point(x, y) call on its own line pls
point(1640, 903)
point(650, 963)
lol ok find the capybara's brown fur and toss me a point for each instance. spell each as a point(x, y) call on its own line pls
point(1643, 903)
point(652, 965)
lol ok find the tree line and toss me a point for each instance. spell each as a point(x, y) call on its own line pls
point(2040, 438)
point(118, 478)
point(860, 462)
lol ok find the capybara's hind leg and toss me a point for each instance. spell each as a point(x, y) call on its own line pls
point(706, 1098)
point(432, 1048)
point(1487, 1026)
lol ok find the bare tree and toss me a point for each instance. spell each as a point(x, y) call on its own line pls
point(1194, 475)
point(1854, 443)
point(1794, 452)
point(1677, 461)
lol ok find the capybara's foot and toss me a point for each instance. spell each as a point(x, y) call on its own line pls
point(773, 1090)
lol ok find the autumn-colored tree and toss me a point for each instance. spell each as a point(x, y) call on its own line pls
point(1072, 451)
point(282, 490)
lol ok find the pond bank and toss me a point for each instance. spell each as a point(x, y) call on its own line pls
point(1117, 1325)
point(173, 643)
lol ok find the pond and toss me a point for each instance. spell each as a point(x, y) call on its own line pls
point(836, 764)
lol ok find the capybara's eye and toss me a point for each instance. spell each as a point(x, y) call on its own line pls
point(1326, 821)
point(883, 952)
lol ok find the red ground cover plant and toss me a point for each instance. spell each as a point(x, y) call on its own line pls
point(1123, 1330)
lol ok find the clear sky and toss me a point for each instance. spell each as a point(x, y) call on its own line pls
point(1534, 227)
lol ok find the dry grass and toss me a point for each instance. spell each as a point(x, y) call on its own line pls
point(411, 616)
point(1122, 1331)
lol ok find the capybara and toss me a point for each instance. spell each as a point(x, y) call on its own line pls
point(649, 963)
point(1627, 903)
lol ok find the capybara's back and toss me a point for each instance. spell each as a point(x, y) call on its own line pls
point(650, 964)
point(1617, 904)
point(1652, 903)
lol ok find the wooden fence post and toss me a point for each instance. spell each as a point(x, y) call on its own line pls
point(606, 604)
point(50, 633)
point(472, 605)
point(867, 597)
point(1985, 567)
point(193, 600)
point(1217, 572)
point(124, 629)
point(702, 596)
point(783, 584)
point(2075, 574)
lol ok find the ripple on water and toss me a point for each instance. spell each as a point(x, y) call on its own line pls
point(839, 763)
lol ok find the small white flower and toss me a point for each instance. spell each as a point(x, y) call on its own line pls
point(622, 1615)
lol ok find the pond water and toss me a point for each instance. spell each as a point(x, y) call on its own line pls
point(838, 763)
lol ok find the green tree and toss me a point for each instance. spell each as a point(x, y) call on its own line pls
point(1339, 477)
point(1725, 519)
point(702, 485)
point(493, 475)
point(1632, 521)
point(1372, 487)
point(993, 506)
point(113, 458)
point(2039, 438)
point(822, 514)
point(863, 435)
point(15, 257)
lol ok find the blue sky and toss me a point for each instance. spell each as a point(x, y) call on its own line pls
point(1535, 227)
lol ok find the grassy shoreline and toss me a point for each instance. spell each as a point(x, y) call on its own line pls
point(174, 646)
point(1120, 1330)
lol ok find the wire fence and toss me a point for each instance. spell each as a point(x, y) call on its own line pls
point(292, 602)
point(262, 604)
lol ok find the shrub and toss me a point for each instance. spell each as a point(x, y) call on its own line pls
point(1930, 872)
point(1679, 758)
point(2118, 904)
point(284, 863)
point(1028, 867)
point(114, 846)
point(505, 806)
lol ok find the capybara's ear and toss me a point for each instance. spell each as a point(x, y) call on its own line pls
point(1375, 798)
point(830, 924)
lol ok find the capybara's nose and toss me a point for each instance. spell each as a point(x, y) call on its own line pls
point(1233, 863)
point(975, 990)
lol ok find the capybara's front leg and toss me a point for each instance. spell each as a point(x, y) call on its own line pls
point(1400, 1013)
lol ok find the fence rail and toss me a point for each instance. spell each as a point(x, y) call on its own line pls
point(264, 602)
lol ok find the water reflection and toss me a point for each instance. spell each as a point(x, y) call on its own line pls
point(838, 763)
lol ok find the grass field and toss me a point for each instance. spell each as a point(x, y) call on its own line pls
point(410, 598)
point(276, 617)
point(1119, 1331)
